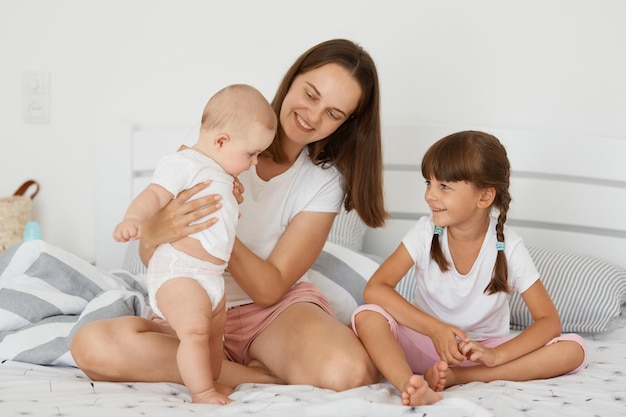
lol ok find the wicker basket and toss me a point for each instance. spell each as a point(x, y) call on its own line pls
point(15, 212)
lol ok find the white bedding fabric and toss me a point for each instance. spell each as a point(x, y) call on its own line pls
point(598, 390)
point(36, 390)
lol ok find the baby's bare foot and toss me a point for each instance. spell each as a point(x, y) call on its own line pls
point(223, 389)
point(436, 376)
point(417, 392)
point(210, 396)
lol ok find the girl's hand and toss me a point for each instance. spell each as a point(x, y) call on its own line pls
point(445, 339)
point(478, 353)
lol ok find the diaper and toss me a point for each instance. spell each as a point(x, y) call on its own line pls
point(168, 263)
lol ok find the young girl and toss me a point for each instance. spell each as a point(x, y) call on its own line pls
point(466, 263)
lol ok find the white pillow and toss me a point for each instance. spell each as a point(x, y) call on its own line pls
point(587, 291)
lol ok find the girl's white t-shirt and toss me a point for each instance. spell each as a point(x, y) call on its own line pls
point(459, 299)
point(269, 207)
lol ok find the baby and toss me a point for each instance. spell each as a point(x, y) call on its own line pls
point(185, 283)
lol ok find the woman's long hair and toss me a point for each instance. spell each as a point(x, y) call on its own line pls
point(355, 148)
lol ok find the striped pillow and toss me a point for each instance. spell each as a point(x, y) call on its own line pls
point(587, 291)
point(348, 230)
point(132, 262)
point(406, 286)
point(341, 274)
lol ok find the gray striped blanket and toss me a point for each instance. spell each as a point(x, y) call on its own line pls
point(46, 294)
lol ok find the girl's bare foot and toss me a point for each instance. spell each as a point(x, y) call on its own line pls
point(210, 396)
point(436, 376)
point(417, 392)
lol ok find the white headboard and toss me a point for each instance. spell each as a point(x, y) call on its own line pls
point(125, 158)
point(568, 190)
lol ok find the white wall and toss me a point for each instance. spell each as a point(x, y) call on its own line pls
point(539, 64)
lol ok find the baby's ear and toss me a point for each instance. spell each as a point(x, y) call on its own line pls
point(221, 139)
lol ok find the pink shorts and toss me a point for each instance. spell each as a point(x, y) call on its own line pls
point(419, 349)
point(245, 322)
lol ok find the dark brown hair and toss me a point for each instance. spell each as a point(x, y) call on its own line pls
point(355, 148)
point(481, 159)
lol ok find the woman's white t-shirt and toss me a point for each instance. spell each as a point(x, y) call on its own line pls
point(459, 299)
point(269, 207)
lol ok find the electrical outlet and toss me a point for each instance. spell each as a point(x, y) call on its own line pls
point(36, 97)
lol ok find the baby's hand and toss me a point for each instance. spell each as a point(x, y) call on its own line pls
point(238, 190)
point(127, 230)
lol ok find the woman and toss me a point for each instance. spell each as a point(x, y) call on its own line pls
point(327, 150)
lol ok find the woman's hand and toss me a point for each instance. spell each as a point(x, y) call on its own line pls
point(173, 221)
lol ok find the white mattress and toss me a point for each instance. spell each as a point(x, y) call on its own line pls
point(598, 390)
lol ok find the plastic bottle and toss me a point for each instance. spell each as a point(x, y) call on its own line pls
point(32, 231)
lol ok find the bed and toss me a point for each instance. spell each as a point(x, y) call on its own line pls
point(568, 191)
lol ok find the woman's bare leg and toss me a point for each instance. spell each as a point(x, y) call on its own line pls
point(304, 345)
point(234, 374)
point(129, 349)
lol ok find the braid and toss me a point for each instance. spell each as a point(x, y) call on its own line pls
point(436, 253)
point(500, 278)
point(478, 158)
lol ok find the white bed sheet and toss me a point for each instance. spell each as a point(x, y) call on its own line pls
point(598, 390)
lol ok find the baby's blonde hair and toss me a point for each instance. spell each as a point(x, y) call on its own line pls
point(237, 106)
